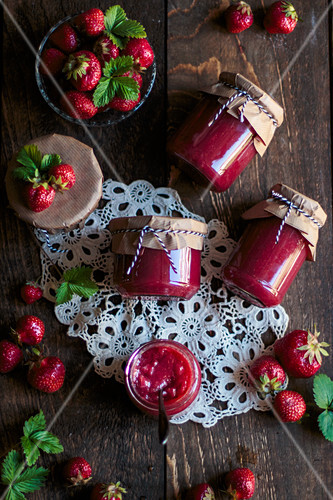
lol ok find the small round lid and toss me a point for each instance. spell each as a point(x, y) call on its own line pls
point(69, 208)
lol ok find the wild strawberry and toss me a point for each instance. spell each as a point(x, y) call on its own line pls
point(65, 38)
point(240, 483)
point(77, 471)
point(201, 492)
point(52, 62)
point(62, 176)
point(281, 17)
point(121, 104)
point(29, 330)
point(289, 405)
point(112, 491)
point(10, 356)
point(47, 375)
point(267, 375)
point(90, 22)
point(78, 105)
point(83, 69)
point(300, 353)
point(238, 17)
point(105, 50)
point(30, 292)
point(141, 51)
point(38, 198)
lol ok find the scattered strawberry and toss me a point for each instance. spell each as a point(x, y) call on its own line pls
point(267, 375)
point(121, 104)
point(281, 17)
point(53, 61)
point(77, 471)
point(10, 356)
point(29, 330)
point(30, 292)
point(201, 492)
point(38, 198)
point(300, 353)
point(62, 177)
point(47, 375)
point(238, 17)
point(83, 69)
point(90, 22)
point(289, 405)
point(112, 491)
point(78, 105)
point(141, 51)
point(240, 483)
point(65, 38)
point(105, 50)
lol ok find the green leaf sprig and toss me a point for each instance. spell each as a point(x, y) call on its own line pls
point(114, 83)
point(119, 29)
point(323, 396)
point(19, 474)
point(76, 281)
point(33, 166)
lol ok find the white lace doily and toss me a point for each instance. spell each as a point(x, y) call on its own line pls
point(224, 332)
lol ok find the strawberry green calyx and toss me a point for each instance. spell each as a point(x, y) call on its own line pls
point(289, 10)
point(314, 348)
point(244, 8)
point(266, 385)
point(113, 490)
point(57, 183)
point(76, 66)
point(33, 166)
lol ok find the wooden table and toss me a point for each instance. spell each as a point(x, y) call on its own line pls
point(191, 47)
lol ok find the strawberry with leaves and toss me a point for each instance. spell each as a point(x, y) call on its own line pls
point(281, 17)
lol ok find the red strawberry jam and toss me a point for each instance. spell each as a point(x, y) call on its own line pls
point(214, 154)
point(167, 366)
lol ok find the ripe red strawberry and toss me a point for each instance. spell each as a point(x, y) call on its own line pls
point(121, 104)
point(240, 483)
point(65, 38)
point(201, 492)
point(10, 356)
point(38, 198)
point(47, 375)
point(29, 330)
point(105, 50)
point(289, 405)
point(53, 61)
point(300, 353)
point(79, 105)
point(267, 375)
point(90, 22)
point(83, 69)
point(62, 177)
point(281, 17)
point(238, 17)
point(112, 491)
point(141, 51)
point(77, 471)
point(30, 292)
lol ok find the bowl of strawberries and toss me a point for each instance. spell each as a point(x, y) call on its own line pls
point(96, 68)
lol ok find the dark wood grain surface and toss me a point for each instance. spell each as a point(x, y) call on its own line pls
point(191, 47)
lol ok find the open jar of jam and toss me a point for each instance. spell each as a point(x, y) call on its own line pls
point(232, 122)
point(157, 256)
point(167, 366)
point(281, 234)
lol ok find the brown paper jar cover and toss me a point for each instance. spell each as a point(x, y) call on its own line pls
point(259, 120)
point(126, 243)
point(70, 208)
point(273, 207)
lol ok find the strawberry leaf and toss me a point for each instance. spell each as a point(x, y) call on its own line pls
point(30, 156)
point(11, 467)
point(76, 281)
point(47, 442)
point(113, 16)
point(325, 422)
point(118, 66)
point(49, 161)
point(104, 92)
point(24, 173)
point(119, 29)
point(127, 87)
point(130, 28)
point(35, 423)
point(323, 391)
point(30, 450)
point(63, 294)
point(31, 479)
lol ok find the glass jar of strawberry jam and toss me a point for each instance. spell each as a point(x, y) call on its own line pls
point(281, 235)
point(167, 366)
point(157, 256)
point(232, 122)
